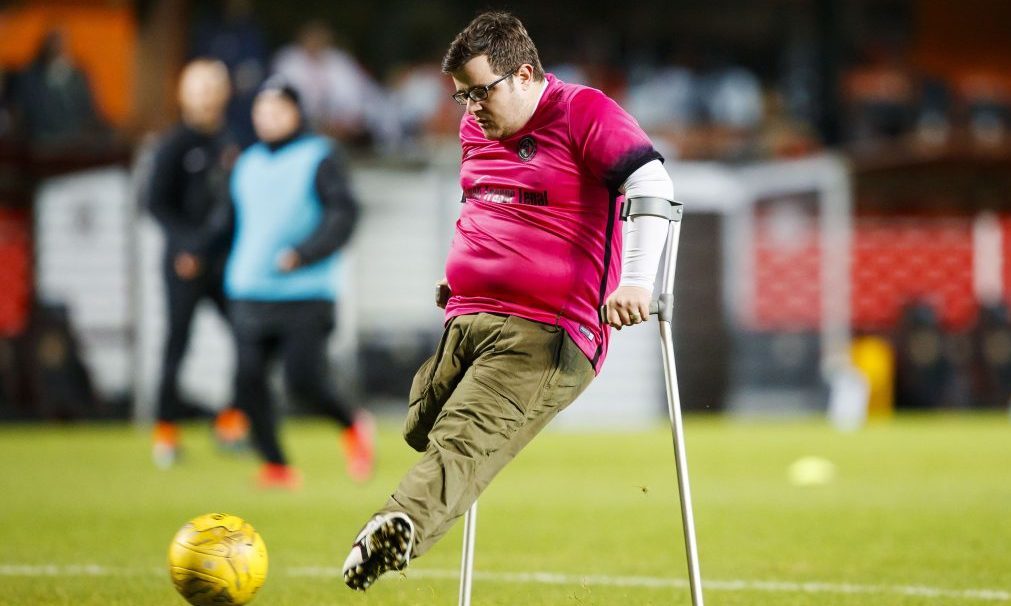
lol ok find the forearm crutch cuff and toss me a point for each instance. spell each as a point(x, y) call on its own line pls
point(653, 207)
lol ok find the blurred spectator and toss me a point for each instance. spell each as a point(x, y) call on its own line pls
point(665, 99)
point(992, 344)
point(924, 372)
point(731, 98)
point(61, 387)
point(236, 39)
point(882, 96)
point(420, 95)
point(933, 123)
point(781, 135)
point(573, 73)
point(988, 108)
point(294, 210)
point(705, 108)
point(189, 183)
point(339, 98)
point(54, 99)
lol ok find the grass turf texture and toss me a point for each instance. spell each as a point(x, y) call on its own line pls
point(923, 501)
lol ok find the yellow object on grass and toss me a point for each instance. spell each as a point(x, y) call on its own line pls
point(874, 358)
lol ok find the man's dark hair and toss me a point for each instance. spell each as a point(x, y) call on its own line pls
point(501, 37)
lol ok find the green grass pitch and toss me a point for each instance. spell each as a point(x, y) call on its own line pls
point(919, 514)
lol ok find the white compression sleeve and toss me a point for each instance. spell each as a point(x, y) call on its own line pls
point(645, 236)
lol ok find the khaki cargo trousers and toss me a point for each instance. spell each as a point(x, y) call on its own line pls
point(493, 384)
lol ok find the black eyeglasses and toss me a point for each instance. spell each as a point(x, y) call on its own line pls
point(478, 93)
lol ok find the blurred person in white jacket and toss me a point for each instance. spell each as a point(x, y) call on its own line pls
point(339, 97)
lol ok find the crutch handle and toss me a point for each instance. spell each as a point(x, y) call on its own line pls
point(654, 309)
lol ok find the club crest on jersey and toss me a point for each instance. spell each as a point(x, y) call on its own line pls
point(527, 148)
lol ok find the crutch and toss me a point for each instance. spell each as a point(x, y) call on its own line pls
point(663, 308)
point(467, 561)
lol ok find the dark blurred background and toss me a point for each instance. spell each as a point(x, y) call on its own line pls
point(846, 165)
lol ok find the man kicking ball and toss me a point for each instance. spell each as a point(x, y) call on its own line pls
point(537, 251)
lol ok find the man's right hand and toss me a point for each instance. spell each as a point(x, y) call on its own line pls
point(442, 293)
point(627, 306)
point(187, 266)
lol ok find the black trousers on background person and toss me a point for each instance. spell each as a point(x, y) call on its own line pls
point(297, 332)
point(182, 297)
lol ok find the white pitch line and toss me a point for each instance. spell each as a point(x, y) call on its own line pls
point(551, 578)
point(55, 570)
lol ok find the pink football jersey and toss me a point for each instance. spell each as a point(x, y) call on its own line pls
point(539, 235)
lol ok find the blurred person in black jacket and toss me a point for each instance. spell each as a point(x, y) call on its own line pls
point(189, 183)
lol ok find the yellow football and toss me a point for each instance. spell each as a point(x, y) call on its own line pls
point(217, 559)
